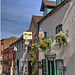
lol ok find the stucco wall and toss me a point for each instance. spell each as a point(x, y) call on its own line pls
point(69, 54)
point(49, 25)
point(66, 17)
point(21, 55)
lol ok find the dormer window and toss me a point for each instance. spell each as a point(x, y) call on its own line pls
point(47, 6)
point(59, 1)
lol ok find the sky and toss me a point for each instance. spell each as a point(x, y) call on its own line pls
point(16, 16)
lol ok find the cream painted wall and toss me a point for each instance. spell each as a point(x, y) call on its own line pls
point(66, 17)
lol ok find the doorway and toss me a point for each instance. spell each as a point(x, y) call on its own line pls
point(17, 66)
point(51, 68)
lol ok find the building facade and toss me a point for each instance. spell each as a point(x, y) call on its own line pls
point(4, 51)
point(34, 30)
point(59, 19)
point(21, 57)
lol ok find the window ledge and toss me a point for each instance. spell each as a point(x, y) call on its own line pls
point(56, 44)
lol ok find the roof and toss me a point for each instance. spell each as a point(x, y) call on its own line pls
point(49, 3)
point(37, 18)
point(54, 10)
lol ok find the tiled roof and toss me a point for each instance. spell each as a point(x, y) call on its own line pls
point(54, 10)
point(49, 3)
point(37, 18)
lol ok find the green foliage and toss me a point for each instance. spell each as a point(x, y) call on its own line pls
point(46, 44)
point(33, 59)
point(35, 46)
point(62, 38)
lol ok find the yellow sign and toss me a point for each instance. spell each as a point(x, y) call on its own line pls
point(27, 35)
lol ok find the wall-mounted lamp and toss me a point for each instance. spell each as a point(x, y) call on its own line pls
point(67, 33)
point(64, 68)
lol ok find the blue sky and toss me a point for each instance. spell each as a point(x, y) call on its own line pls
point(16, 16)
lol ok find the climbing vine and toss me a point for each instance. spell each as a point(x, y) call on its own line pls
point(33, 59)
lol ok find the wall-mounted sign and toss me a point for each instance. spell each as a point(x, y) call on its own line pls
point(27, 35)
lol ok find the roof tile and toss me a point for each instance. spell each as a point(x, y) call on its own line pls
point(37, 18)
point(49, 3)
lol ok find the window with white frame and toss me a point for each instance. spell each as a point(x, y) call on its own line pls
point(59, 69)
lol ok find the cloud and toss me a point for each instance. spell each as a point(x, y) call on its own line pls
point(16, 16)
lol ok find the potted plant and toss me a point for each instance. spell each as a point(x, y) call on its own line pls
point(46, 45)
point(62, 38)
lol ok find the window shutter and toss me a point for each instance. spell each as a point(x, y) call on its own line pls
point(44, 71)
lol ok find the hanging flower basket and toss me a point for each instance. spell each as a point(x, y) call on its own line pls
point(46, 44)
point(35, 46)
point(62, 38)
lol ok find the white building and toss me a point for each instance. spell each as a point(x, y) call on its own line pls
point(21, 57)
point(61, 18)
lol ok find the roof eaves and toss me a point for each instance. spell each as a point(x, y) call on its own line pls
point(42, 5)
point(56, 8)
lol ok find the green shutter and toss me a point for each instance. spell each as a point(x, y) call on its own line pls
point(51, 68)
point(44, 72)
point(48, 67)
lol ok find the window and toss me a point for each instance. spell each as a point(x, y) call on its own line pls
point(25, 69)
point(44, 71)
point(59, 1)
point(2, 47)
point(45, 12)
point(59, 67)
point(17, 45)
point(51, 67)
point(59, 64)
point(45, 35)
point(58, 29)
point(22, 44)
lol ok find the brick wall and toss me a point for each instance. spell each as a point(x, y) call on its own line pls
point(34, 30)
point(8, 47)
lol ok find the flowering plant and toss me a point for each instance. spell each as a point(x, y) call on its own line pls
point(45, 44)
point(62, 38)
point(35, 46)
